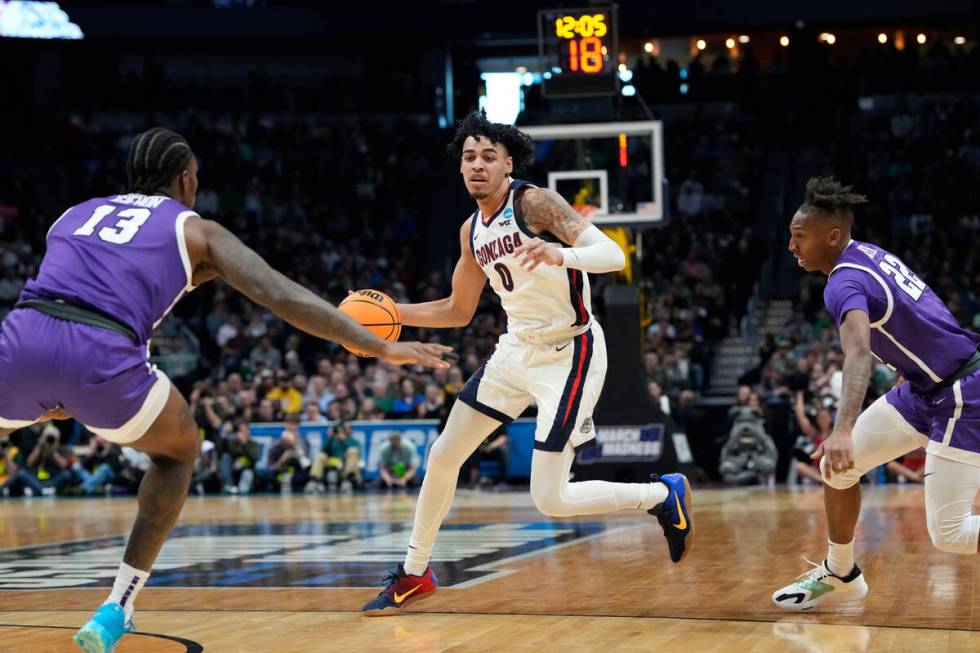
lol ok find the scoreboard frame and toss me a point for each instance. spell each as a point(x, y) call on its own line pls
point(583, 44)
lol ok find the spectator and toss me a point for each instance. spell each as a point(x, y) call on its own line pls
point(288, 460)
point(266, 355)
point(408, 399)
point(48, 466)
point(239, 455)
point(811, 438)
point(268, 411)
point(339, 462)
point(135, 464)
point(290, 398)
point(658, 397)
point(10, 462)
point(398, 463)
point(208, 414)
point(312, 413)
point(205, 478)
point(434, 405)
point(97, 470)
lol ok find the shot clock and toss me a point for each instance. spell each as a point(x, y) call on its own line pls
point(580, 49)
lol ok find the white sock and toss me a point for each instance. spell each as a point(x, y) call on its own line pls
point(129, 581)
point(840, 558)
point(416, 561)
point(653, 494)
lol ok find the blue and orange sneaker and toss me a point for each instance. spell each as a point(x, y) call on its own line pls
point(400, 590)
point(104, 629)
point(676, 515)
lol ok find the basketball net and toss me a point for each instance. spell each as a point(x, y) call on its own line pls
point(585, 210)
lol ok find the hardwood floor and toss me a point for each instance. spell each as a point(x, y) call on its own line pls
point(290, 574)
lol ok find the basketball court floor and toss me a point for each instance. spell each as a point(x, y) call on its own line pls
point(289, 574)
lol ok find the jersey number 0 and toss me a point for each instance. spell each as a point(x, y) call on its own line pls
point(505, 278)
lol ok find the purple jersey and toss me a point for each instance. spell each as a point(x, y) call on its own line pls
point(123, 256)
point(912, 331)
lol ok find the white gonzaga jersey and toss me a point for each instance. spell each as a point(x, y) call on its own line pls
point(547, 304)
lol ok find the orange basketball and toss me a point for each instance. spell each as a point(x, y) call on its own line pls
point(376, 312)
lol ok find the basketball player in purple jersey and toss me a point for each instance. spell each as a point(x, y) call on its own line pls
point(535, 250)
point(885, 311)
point(77, 343)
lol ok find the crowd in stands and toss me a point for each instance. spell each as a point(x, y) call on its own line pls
point(915, 159)
point(698, 271)
point(331, 204)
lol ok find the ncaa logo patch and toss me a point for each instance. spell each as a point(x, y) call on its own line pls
point(508, 213)
point(301, 555)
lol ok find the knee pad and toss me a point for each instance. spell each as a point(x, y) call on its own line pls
point(840, 481)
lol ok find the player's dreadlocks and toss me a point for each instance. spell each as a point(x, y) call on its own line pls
point(829, 196)
point(519, 145)
point(155, 157)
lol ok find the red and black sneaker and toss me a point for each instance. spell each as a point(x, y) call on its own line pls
point(400, 590)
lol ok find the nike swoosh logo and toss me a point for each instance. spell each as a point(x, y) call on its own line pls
point(929, 474)
point(683, 522)
point(400, 598)
point(796, 596)
point(936, 403)
point(565, 347)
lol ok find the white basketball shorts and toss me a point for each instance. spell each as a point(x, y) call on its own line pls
point(564, 379)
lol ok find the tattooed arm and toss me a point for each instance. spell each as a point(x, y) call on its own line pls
point(855, 336)
point(545, 211)
point(215, 251)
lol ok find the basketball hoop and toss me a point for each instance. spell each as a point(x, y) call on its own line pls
point(585, 210)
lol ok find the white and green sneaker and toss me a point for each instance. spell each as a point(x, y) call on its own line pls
point(821, 587)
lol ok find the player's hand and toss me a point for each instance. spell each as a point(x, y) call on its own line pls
point(416, 353)
point(839, 449)
point(534, 252)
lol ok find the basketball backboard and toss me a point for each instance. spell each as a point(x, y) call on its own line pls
point(611, 171)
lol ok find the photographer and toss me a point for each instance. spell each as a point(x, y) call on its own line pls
point(9, 464)
point(99, 467)
point(48, 467)
point(749, 455)
point(288, 461)
point(238, 457)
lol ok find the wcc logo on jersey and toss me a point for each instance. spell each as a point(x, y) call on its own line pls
point(290, 555)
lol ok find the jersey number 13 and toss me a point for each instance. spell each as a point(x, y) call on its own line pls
point(129, 223)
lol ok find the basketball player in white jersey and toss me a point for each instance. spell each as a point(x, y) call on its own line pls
point(536, 251)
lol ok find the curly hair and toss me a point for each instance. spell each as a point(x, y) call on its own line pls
point(520, 146)
point(155, 157)
point(827, 195)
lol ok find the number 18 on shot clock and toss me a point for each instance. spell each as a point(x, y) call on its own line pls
point(579, 49)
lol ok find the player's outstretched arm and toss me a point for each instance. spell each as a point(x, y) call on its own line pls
point(591, 250)
point(215, 251)
point(456, 310)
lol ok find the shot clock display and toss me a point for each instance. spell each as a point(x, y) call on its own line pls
point(580, 50)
